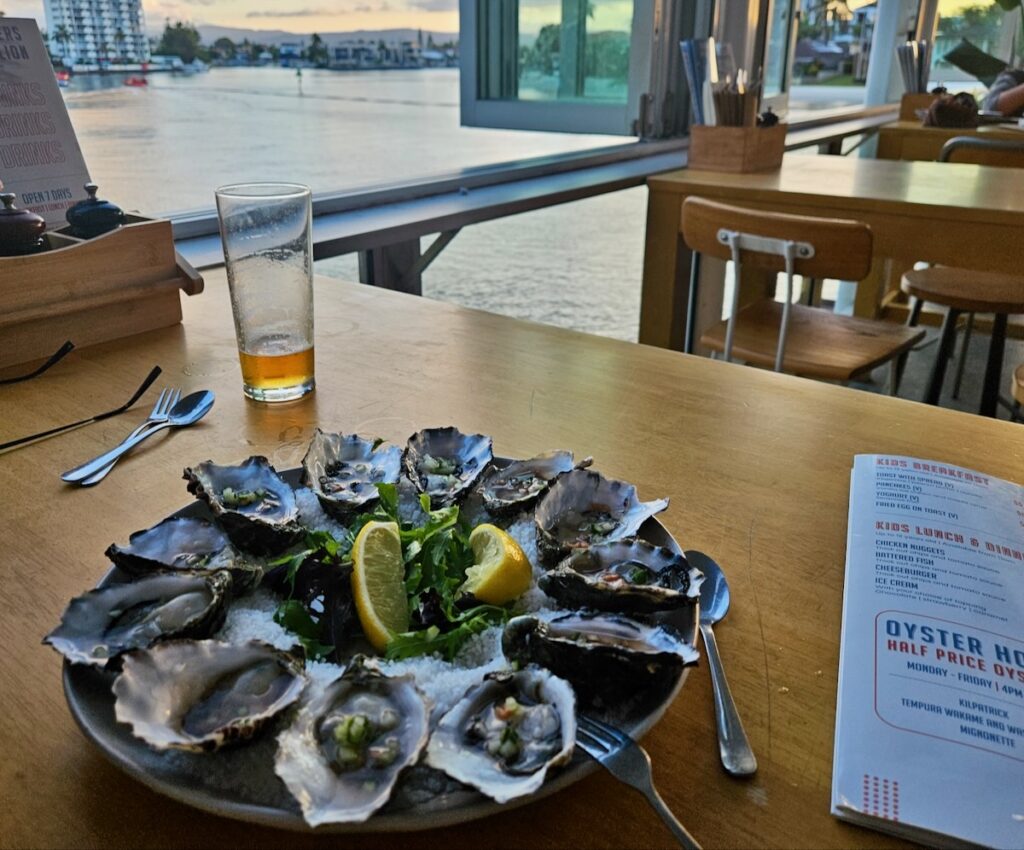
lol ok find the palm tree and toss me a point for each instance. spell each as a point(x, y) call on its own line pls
point(119, 39)
point(62, 36)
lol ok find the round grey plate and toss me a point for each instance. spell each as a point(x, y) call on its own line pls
point(240, 783)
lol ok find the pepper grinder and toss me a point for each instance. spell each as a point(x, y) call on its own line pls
point(93, 217)
point(21, 231)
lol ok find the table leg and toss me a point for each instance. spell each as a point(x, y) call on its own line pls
point(666, 282)
point(946, 343)
point(994, 367)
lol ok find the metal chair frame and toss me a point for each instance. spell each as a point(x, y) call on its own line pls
point(785, 248)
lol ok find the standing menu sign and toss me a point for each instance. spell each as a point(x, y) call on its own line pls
point(930, 717)
point(40, 160)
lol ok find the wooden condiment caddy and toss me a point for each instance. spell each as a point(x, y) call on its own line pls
point(88, 291)
point(737, 149)
point(911, 104)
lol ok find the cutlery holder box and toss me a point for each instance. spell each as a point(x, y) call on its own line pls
point(911, 104)
point(737, 149)
point(92, 290)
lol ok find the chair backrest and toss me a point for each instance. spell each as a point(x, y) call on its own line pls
point(842, 249)
point(982, 151)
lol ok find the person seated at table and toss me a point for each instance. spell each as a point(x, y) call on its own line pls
point(1007, 93)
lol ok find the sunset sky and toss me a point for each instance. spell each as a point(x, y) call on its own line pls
point(295, 15)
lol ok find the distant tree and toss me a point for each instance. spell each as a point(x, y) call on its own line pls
point(62, 36)
point(317, 52)
point(119, 39)
point(181, 40)
point(541, 57)
point(224, 48)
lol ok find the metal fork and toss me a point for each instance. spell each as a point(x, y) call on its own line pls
point(628, 762)
point(167, 399)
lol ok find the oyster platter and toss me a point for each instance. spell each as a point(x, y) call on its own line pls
point(388, 638)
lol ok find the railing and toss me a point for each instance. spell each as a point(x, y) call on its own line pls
point(385, 225)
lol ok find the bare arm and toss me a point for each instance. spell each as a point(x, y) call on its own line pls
point(1011, 101)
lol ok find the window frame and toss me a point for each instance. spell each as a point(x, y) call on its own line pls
point(556, 116)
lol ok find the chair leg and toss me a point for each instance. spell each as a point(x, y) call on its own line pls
point(994, 367)
point(963, 355)
point(900, 363)
point(946, 344)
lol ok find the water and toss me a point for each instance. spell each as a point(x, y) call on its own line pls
point(165, 148)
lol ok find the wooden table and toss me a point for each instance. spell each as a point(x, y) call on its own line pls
point(955, 214)
point(911, 140)
point(756, 464)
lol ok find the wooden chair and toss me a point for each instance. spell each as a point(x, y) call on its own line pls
point(1017, 390)
point(785, 336)
point(963, 291)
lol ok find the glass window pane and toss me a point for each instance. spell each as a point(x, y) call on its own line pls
point(780, 15)
point(985, 26)
point(575, 50)
point(833, 49)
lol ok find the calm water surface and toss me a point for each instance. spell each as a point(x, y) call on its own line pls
point(164, 148)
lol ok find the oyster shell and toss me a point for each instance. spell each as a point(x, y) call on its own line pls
point(444, 463)
point(200, 695)
point(342, 755)
point(607, 658)
point(631, 576)
point(583, 508)
point(505, 734)
point(256, 507)
point(185, 543)
point(518, 485)
point(345, 469)
point(102, 624)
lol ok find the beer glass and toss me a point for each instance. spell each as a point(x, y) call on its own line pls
point(266, 230)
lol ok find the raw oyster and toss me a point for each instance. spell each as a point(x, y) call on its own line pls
point(583, 508)
point(200, 695)
point(505, 733)
point(516, 486)
point(102, 624)
point(342, 755)
point(185, 543)
point(444, 463)
point(631, 576)
point(254, 504)
point(607, 658)
point(345, 469)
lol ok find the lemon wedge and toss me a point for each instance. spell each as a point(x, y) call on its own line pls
point(378, 583)
point(502, 571)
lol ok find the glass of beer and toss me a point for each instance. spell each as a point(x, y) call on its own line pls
point(266, 229)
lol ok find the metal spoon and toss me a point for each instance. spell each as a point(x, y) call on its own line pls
point(733, 746)
point(188, 411)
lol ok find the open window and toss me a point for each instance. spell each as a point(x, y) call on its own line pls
point(579, 66)
point(779, 19)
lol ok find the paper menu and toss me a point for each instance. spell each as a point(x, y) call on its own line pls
point(930, 714)
point(40, 159)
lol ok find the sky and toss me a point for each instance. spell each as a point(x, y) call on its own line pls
point(295, 15)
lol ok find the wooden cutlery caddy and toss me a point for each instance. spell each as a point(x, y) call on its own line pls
point(88, 291)
point(737, 149)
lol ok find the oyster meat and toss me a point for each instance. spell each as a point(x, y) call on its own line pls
point(631, 576)
point(505, 734)
point(105, 623)
point(342, 755)
point(200, 695)
point(444, 463)
point(256, 507)
point(583, 508)
point(517, 486)
point(607, 658)
point(345, 469)
point(185, 543)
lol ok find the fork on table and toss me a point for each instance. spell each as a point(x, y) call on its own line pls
point(628, 762)
point(167, 399)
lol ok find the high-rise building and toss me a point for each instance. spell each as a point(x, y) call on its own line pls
point(97, 32)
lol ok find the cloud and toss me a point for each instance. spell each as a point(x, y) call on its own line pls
point(297, 13)
point(435, 5)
